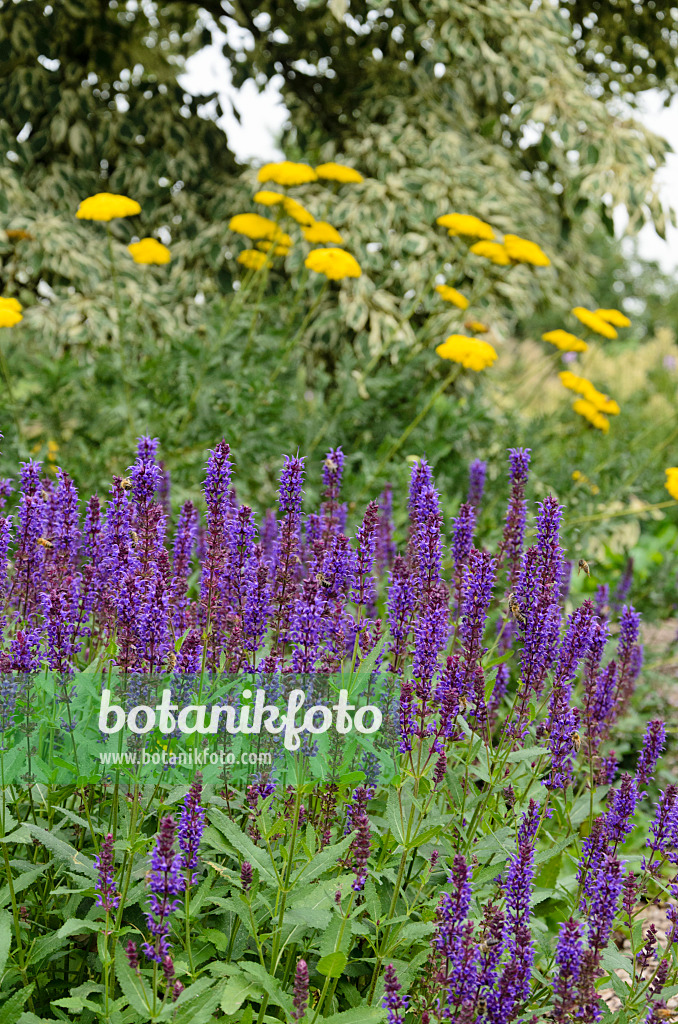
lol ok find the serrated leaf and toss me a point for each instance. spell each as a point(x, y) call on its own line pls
point(332, 965)
point(242, 843)
point(134, 987)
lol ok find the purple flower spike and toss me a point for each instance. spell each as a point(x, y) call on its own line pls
point(653, 744)
point(516, 514)
point(386, 549)
point(166, 881)
point(106, 892)
point(619, 816)
point(393, 1002)
point(246, 875)
point(476, 483)
point(478, 582)
point(191, 828)
point(462, 539)
point(569, 954)
point(604, 902)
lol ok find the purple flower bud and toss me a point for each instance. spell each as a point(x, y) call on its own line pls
point(300, 1001)
point(132, 955)
point(106, 892)
point(166, 881)
point(246, 875)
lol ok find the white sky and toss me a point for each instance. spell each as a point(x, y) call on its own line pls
point(263, 115)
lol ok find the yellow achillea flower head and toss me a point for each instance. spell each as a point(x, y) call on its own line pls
point(520, 250)
point(588, 410)
point(672, 481)
point(149, 250)
point(565, 341)
point(476, 326)
point(298, 212)
point(338, 172)
point(452, 295)
point(594, 322)
point(107, 206)
point(493, 251)
point(252, 259)
point(472, 353)
point(614, 317)
point(322, 233)
point(285, 172)
point(9, 316)
point(465, 224)
point(253, 226)
point(10, 303)
point(580, 385)
point(335, 264)
point(604, 404)
point(278, 250)
point(577, 475)
point(267, 198)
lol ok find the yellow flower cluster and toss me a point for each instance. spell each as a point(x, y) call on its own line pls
point(452, 295)
point(465, 224)
point(672, 481)
point(594, 405)
point(267, 233)
point(589, 412)
point(285, 172)
point(335, 264)
point(520, 250)
point(472, 353)
point(565, 341)
point(322, 233)
point(149, 251)
point(10, 312)
point(594, 322)
point(492, 251)
point(107, 206)
point(513, 249)
point(614, 317)
point(252, 259)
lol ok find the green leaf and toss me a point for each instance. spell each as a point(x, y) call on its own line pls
point(242, 843)
point(360, 1015)
point(11, 1010)
point(323, 861)
point(393, 815)
point(332, 966)
point(63, 851)
point(236, 991)
point(5, 938)
point(134, 987)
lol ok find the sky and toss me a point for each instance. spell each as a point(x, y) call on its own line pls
point(263, 114)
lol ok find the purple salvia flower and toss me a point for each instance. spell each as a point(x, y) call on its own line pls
point(29, 557)
point(333, 469)
point(164, 488)
point(106, 892)
point(269, 534)
point(5, 539)
point(153, 623)
point(300, 1001)
point(360, 848)
point(191, 828)
point(426, 543)
point(184, 543)
point(431, 633)
point(147, 448)
point(420, 478)
point(401, 603)
point(257, 608)
point(61, 620)
point(569, 954)
point(664, 828)
point(166, 882)
point(287, 546)
point(24, 651)
point(67, 538)
point(653, 744)
point(386, 549)
point(364, 590)
point(604, 902)
point(92, 530)
point(462, 540)
point(619, 816)
point(393, 1001)
point(479, 578)
point(476, 482)
point(217, 481)
point(629, 630)
point(511, 547)
point(5, 489)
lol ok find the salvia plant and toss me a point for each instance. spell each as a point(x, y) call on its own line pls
point(483, 856)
